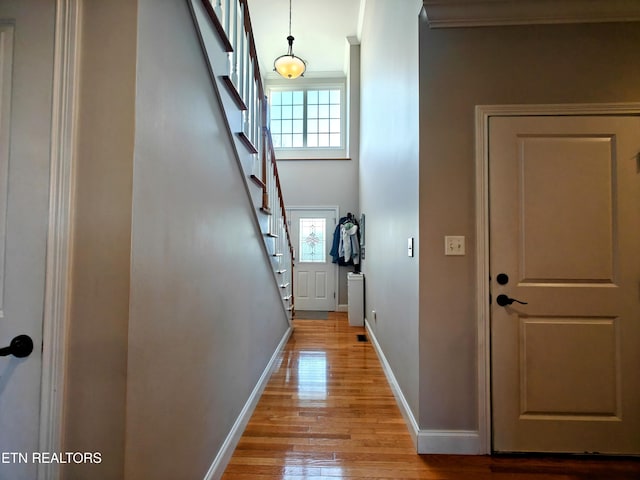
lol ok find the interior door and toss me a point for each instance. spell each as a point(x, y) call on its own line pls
point(26, 70)
point(565, 238)
point(315, 284)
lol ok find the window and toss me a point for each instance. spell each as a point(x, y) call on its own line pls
point(308, 121)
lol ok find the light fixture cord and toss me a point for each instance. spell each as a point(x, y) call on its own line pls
point(289, 17)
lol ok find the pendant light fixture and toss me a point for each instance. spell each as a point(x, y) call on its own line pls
point(288, 65)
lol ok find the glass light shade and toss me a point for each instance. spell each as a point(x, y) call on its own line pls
point(289, 66)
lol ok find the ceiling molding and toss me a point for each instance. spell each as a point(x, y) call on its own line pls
point(482, 13)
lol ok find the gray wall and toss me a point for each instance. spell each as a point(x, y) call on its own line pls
point(164, 348)
point(389, 182)
point(461, 68)
point(205, 313)
point(99, 299)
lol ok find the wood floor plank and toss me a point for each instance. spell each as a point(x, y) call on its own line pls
point(328, 413)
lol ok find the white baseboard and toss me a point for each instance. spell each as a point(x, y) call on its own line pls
point(454, 442)
point(412, 424)
point(226, 451)
point(342, 308)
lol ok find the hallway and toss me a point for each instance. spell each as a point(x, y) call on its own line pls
point(328, 413)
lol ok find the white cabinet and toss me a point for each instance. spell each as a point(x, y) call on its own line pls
point(355, 287)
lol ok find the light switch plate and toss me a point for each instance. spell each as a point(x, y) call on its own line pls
point(410, 247)
point(454, 245)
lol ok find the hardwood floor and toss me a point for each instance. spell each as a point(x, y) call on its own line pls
point(328, 413)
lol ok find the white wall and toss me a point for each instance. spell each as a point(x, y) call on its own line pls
point(389, 182)
point(205, 314)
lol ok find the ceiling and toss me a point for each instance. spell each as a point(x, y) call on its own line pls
point(320, 28)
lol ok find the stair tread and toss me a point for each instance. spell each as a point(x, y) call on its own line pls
point(246, 141)
point(257, 181)
point(231, 88)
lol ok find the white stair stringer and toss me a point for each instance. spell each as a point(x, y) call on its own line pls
point(269, 219)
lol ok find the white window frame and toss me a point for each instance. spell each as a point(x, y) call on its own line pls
point(307, 153)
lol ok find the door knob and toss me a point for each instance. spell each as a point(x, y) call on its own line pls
point(504, 300)
point(21, 346)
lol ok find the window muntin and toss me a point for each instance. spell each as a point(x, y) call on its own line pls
point(287, 119)
point(323, 118)
point(308, 121)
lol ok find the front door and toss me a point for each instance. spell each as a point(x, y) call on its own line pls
point(565, 241)
point(312, 235)
point(26, 71)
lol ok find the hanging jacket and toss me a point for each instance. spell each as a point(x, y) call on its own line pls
point(335, 248)
point(345, 250)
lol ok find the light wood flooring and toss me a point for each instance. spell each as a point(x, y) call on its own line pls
point(328, 413)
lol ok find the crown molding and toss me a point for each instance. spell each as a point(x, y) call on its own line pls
point(482, 13)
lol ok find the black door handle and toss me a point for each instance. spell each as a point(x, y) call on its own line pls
point(21, 346)
point(503, 300)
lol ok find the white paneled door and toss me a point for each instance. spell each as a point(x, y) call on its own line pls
point(315, 274)
point(565, 271)
point(26, 72)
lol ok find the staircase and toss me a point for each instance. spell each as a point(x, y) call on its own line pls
point(226, 37)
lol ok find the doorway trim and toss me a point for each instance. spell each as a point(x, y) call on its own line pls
point(483, 113)
point(59, 236)
point(336, 211)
